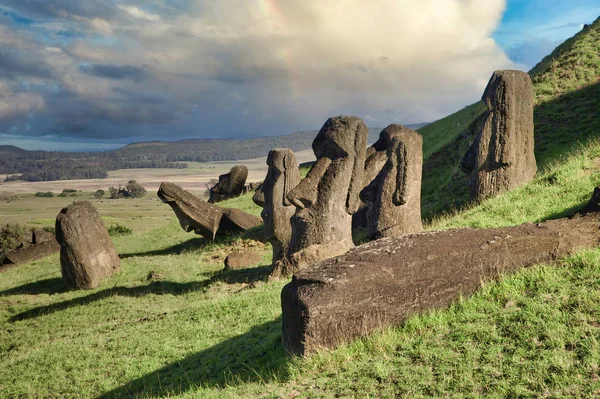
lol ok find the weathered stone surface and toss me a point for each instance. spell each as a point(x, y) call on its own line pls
point(40, 245)
point(376, 157)
point(230, 185)
point(238, 220)
point(282, 176)
point(383, 282)
point(328, 196)
point(201, 217)
point(87, 254)
point(241, 259)
point(502, 157)
point(394, 196)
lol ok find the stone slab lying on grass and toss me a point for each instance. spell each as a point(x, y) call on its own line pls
point(87, 254)
point(42, 244)
point(383, 282)
point(241, 259)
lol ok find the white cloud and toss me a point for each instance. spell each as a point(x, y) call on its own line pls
point(139, 13)
point(296, 62)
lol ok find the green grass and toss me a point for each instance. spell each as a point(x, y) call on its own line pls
point(172, 323)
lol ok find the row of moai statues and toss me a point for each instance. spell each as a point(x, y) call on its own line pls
point(308, 220)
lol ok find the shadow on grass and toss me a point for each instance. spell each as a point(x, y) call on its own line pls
point(197, 243)
point(49, 286)
point(256, 356)
point(157, 287)
point(189, 245)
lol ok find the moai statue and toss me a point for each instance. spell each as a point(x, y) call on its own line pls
point(394, 196)
point(502, 158)
point(230, 185)
point(328, 197)
point(87, 254)
point(375, 160)
point(283, 175)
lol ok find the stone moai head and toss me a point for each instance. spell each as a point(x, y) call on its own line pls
point(394, 196)
point(282, 176)
point(329, 195)
point(375, 160)
point(501, 157)
point(230, 184)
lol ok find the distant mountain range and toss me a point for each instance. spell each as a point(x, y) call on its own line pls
point(199, 150)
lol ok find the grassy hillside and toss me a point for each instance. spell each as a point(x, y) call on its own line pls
point(567, 90)
point(171, 323)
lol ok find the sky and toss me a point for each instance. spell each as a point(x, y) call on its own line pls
point(97, 74)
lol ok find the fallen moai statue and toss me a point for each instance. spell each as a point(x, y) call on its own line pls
point(282, 176)
point(501, 157)
point(41, 244)
point(328, 197)
point(230, 185)
point(204, 218)
point(383, 282)
point(87, 254)
point(394, 195)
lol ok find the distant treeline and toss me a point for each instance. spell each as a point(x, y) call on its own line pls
point(209, 150)
point(50, 165)
point(70, 166)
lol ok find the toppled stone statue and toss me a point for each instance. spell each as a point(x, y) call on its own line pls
point(204, 218)
point(501, 157)
point(328, 196)
point(383, 282)
point(40, 245)
point(230, 185)
point(394, 196)
point(87, 254)
point(282, 176)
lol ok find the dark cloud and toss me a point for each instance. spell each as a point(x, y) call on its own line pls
point(116, 72)
point(14, 64)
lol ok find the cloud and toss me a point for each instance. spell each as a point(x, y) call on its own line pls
point(117, 72)
point(232, 67)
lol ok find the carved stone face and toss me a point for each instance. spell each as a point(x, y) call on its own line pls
point(282, 176)
point(328, 196)
point(394, 196)
point(502, 155)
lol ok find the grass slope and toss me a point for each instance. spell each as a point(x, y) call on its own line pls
point(567, 90)
point(172, 324)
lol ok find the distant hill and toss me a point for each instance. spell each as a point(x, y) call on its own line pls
point(566, 114)
point(12, 151)
point(206, 150)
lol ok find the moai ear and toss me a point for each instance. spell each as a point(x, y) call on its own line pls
point(400, 153)
point(356, 180)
